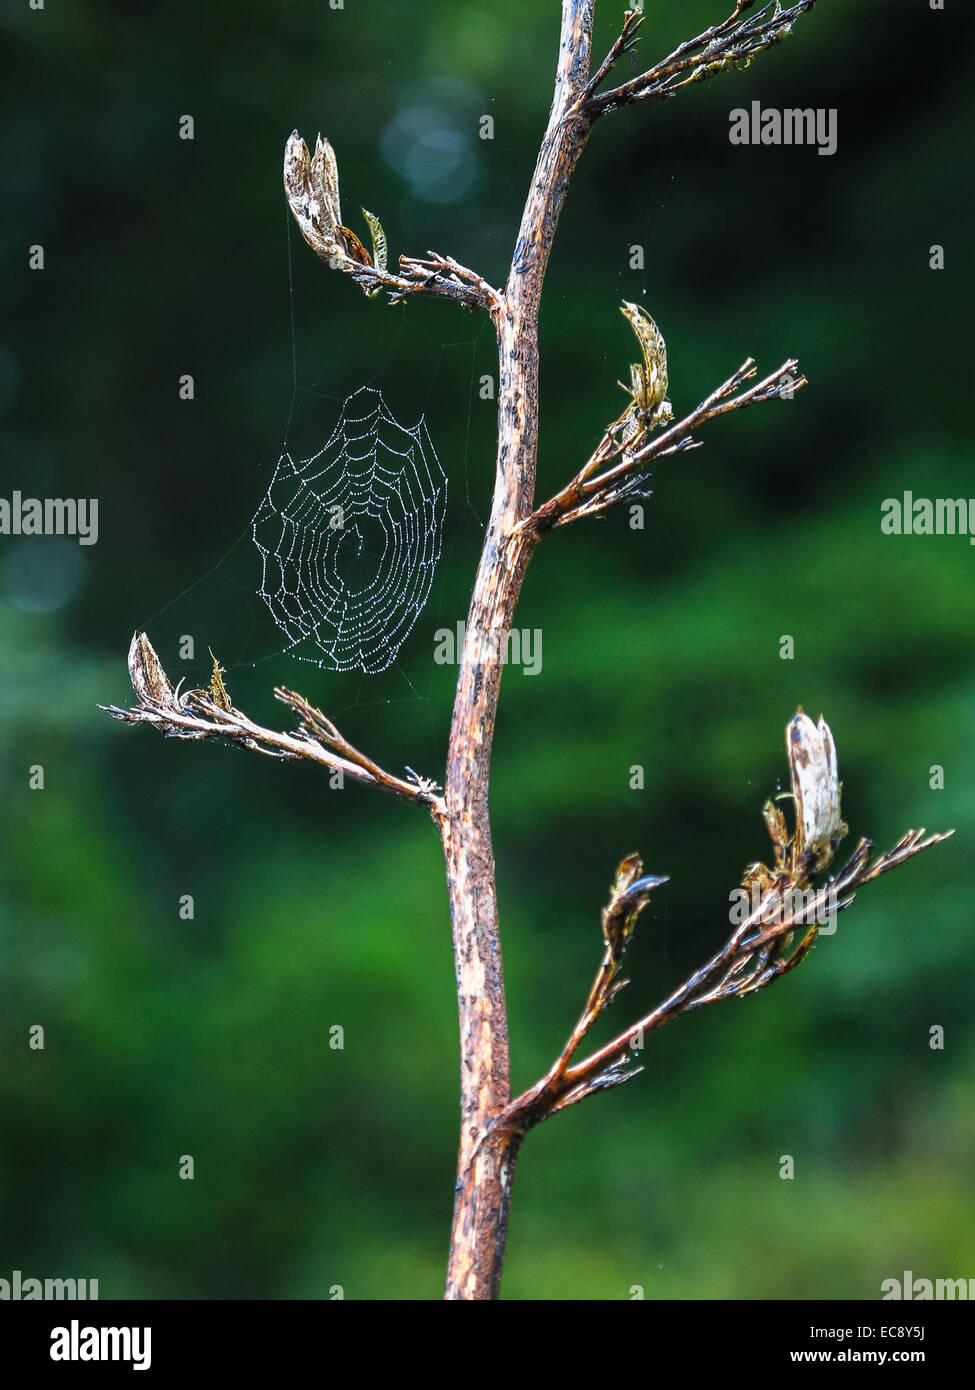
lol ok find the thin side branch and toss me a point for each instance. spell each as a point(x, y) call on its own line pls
point(731, 44)
point(740, 968)
point(762, 947)
point(436, 275)
point(714, 980)
point(311, 184)
point(625, 43)
point(198, 714)
point(616, 471)
point(630, 894)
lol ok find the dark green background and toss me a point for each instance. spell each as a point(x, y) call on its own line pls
point(317, 1167)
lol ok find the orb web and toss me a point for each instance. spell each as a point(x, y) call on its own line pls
point(350, 538)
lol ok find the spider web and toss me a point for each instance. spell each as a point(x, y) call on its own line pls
point(350, 538)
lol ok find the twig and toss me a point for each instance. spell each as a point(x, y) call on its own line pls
point(737, 970)
point(311, 185)
point(732, 43)
point(625, 43)
point(199, 714)
point(630, 894)
point(436, 275)
point(601, 482)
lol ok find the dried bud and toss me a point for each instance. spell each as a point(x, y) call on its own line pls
point(649, 379)
point(628, 897)
point(325, 182)
point(149, 680)
point(312, 188)
point(816, 789)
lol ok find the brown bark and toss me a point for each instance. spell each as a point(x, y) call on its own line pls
point(486, 1164)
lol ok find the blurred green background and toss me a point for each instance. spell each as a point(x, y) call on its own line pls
point(314, 908)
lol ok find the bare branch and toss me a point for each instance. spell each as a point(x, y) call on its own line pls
point(759, 950)
point(198, 714)
point(487, 1156)
point(731, 44)
point(628, 897)
point(741, 948)
point(626, 43)
point(311, 183)
point(782, 904)
point(616, 470)
point(436, 275)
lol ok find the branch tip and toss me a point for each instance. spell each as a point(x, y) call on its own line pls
point(759, 951)
point(199, 714)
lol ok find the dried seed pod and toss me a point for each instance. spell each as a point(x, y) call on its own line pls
point(816, 788)
point(648, 380)
point(628, 897)
point(312, 187)
point(149, 680)
point(325, 181)
point(312, 190)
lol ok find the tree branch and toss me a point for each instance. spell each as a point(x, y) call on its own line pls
point(759, 951)
point(630, 894)
point(199, 714)
point(436, 275)
point(726, 975)
point(625, 43)
point(311, 184)
point(487, 1155)
point(603, 481)
point(756, 954)
point(732, 43)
